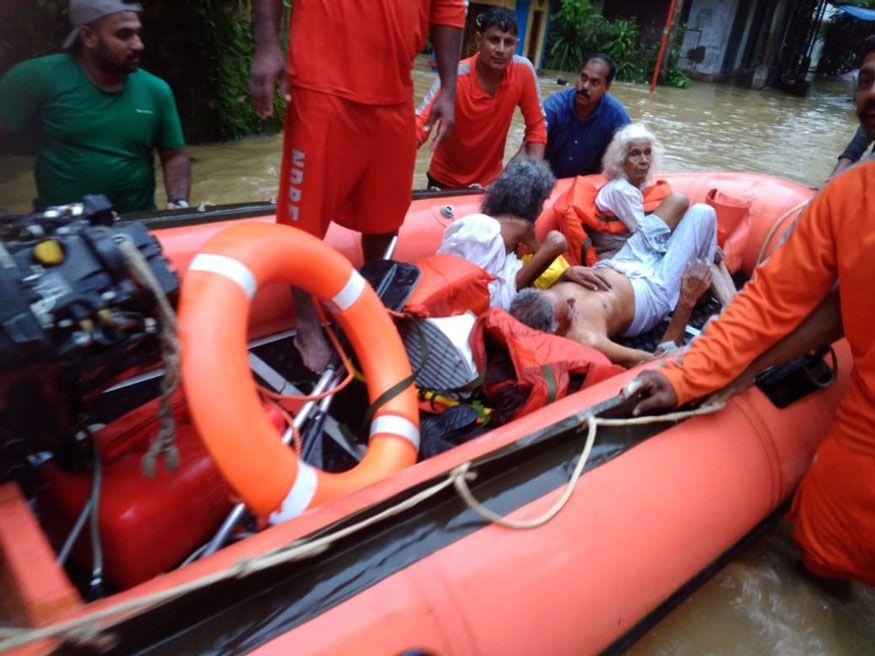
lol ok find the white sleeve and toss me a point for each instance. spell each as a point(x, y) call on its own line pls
point(623, 200)
point(502, 290)
point(476, 238)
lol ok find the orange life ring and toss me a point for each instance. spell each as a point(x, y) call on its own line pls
point(216, 293)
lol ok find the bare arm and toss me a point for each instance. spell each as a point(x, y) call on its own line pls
point(554, 245)
point(617, 353)
point(696, 280)
point(268, 65)
point(447, 42)
point(177, 174)
point(678, 324)
point(842, 165)
point(535, 149)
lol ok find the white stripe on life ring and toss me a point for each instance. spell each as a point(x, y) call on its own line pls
point(229, 268)
point(299, 497)
point(399, 426)
point(350, 292)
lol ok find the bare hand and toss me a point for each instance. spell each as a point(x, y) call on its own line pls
point(442, 114)
point(268, 72)
point(696, 281)
point(657, 392)
point(587, 278)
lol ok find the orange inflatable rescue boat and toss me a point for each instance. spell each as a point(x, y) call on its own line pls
point(567, 530)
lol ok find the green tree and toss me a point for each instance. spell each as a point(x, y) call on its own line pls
point(579, 28)
point(843, 39)
point(202, 48)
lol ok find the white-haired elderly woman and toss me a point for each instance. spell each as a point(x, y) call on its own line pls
point(661, 245)
point(630, 163)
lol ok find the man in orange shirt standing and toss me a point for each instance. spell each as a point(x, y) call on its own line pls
point(491, 85)
point(788, 308)
point(349, 148)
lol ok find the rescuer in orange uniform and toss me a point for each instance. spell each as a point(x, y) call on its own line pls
point(350, 147)
point(834, 509)
point(491, 85)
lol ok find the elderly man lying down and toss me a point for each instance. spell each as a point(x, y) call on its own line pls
point(662, 266)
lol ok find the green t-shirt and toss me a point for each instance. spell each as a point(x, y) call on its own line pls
point(89, 141)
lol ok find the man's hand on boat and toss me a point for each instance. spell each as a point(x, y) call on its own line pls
point(268, 72)
point(654, 390)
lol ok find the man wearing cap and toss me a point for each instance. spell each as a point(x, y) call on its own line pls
point(94, 117)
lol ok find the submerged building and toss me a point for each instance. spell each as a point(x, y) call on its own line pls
point(751, 42)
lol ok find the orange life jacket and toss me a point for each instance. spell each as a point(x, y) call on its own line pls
point(532, 367)
point(577, 216)
point(449, 285)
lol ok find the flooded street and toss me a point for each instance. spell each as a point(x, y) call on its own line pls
point(758, 605)
point(705, 127)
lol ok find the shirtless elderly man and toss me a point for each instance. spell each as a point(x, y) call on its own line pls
point(662, 266)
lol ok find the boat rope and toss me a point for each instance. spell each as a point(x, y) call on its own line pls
point(460, 481)
point(761, 255)
point(163, 442)
point(90, 627)
point(341, 353)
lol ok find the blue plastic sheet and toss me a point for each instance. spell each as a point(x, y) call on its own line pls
point(858, 12)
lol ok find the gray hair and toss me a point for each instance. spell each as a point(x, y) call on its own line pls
point(520, 190)
point(532, 307)
point(614, 161)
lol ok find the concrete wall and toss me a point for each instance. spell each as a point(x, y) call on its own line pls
point(708, 30)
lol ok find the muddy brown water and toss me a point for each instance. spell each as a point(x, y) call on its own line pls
point(758, 605)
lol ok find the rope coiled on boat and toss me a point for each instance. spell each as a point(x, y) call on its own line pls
point(88, 627)
point(163, 442)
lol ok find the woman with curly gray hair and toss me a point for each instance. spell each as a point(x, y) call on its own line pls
point(491, 238)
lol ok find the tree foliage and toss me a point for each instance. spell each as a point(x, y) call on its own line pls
point(578, 28)
point(843, 40)
point(202, 48)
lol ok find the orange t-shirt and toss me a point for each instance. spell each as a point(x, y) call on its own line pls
point(363, 50)
point(474, 151)
point(833, 239)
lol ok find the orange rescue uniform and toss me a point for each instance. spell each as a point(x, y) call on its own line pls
point(834, 509)
point(474, 151)
point(350, 145)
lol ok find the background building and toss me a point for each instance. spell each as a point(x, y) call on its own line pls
point(533, 17)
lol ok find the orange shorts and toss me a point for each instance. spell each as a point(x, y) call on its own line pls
point(833, 513)
point(346, 162)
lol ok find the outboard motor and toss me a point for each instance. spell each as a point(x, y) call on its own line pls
point(72, 321)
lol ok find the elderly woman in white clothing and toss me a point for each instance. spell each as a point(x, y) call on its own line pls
point(660, 245)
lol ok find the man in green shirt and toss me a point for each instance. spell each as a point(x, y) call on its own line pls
point(94, 117)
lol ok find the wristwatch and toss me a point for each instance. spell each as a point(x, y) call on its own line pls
point(179, 202)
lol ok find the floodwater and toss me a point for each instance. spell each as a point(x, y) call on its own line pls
point(705, 127)
point(758, 605)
